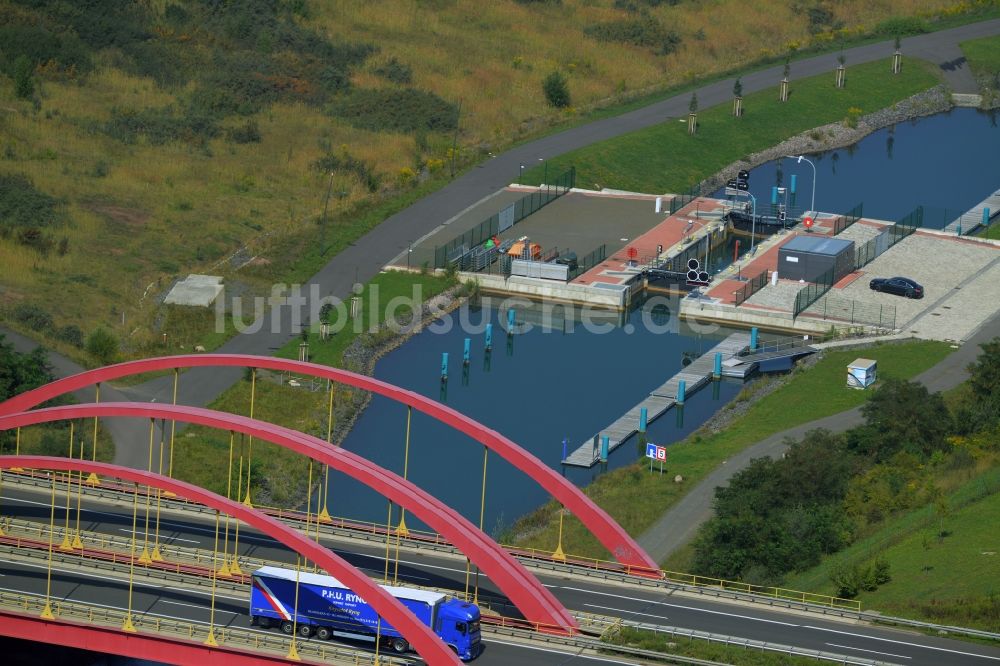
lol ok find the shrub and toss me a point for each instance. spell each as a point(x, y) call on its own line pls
point(32, 316)
point(24, 207)
point(248, 132)
point(24, 83)
point(556, 90)
point(395, 71)
point(102, 345)
point(71, 334)
point(901, 25)
point(347, 163)
point(644, 31)
point(159, 126)
point(406, 110)
point(39, 44)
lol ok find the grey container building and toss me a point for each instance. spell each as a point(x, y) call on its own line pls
point(809, 257)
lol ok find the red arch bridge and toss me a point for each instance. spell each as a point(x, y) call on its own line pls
point(532, 600)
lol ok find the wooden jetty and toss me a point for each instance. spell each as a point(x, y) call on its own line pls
point(973, 219)
point(695, 375)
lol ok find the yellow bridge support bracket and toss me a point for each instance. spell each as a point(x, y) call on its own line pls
point(210, 640)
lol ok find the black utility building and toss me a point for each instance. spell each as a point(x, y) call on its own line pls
point(809, 257)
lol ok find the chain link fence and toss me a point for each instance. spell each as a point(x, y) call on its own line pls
point(850, 311)
point(589, 261)
point(865, 254)
point(752, 286)
point(810, 293)
point(848, 218)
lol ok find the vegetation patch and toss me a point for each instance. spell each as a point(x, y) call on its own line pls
point(645, 31)
point(396, 110)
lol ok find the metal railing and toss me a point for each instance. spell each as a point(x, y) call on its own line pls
point(752, 286)
point(681, 200)
point(865, 254)
point(455, 250)
point(810, 293)
point(848, 218)
point(230, 637)
point(585, 264)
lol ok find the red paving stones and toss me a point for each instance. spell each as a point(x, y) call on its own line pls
point(670, 232)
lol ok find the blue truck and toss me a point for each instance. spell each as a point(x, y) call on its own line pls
point(326, 608)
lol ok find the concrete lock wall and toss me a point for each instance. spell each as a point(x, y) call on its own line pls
point(580, 294)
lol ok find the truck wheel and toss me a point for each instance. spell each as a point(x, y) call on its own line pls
point(287, 627)
point(324, 633)
point(399, 645)
point(305, 630)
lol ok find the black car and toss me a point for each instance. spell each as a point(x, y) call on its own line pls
point(900, 286)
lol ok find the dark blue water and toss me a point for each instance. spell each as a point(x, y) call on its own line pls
point(945, 162)
point(546, 386)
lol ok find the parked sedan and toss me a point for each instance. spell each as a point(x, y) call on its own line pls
point(900, 286)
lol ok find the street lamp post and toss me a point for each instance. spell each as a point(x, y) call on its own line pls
point(753, 221)
point(799, 159)
point(520, 175)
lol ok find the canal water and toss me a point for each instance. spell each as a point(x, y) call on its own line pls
point(538, 386)
point(553, 385)
point(945, 162)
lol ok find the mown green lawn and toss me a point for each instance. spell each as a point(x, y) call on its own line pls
point(377, 299)
point(636, 498)
point(944, 559)
point(983, 55)
point(665, 158)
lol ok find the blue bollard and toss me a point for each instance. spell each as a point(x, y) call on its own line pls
point(489, 337)
point(565, 444)
point(604, 448)
point(791, 188)
point(774, 195)
point(444, 365)
point(986, 217)
point(643, 416)
point(468, 350)
point(681, 385)
point(717, 372)
point(753, 338)
point(511, 320)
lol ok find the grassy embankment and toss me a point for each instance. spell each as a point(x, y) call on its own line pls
point(136, 213)
point(636, 498)
point(665, 158)
point(984, 60)
point(942, 557)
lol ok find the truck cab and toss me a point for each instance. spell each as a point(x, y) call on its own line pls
point(458, 626)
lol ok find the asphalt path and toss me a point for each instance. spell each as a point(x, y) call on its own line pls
point(363, 259)
point(428, 569)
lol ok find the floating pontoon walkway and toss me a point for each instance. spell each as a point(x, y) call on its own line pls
point(696, 375)
point(976, 217)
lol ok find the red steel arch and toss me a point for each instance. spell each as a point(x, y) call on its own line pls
point(622, 546)
point(423, 640)
point(532, 598)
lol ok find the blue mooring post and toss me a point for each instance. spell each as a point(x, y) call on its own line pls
point(604, 448)
point(986, 217)
point(467, 352)
point(489, 337)
point(681, 385)
point(791, 188)
point(717, 372)
point(774, 195)
point(753, 338)
point(511, 320)
point(444, 366)
point(643, 416)
point(565, 444)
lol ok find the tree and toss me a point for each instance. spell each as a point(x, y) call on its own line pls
point(24, 84)
point(788, 68)
point(693, 104)
point(22, 372)
point(902, 416)
point(738, 88)
point(982, 409)
point(102, 345)
point(556, 90)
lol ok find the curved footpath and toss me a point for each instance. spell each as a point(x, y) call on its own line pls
point(365, 257)
point(680, 523)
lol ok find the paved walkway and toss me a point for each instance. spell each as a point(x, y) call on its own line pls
point(679, 524)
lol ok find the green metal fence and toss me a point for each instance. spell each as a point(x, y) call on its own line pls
point(848, 218)
point(850, 311)
point(752, 286)
point(810, 293)
point(682, 200)
point(454, 250)
point(589, 261)
point(897, 232)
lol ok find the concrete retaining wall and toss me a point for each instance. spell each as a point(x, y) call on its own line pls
point(551, 290)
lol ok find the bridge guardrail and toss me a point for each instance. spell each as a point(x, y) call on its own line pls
point(29, 603)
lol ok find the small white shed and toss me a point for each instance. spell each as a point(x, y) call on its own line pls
point(861, 373)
